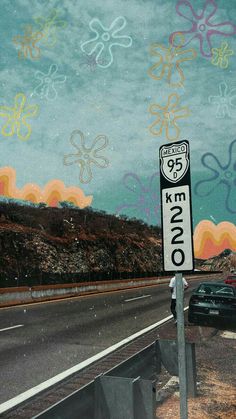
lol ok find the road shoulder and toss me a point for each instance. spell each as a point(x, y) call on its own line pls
point(216, 375)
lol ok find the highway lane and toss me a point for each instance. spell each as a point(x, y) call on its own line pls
point(41, 340)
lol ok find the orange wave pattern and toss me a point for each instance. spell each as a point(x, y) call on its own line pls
point(211, 239)
point(53, 192)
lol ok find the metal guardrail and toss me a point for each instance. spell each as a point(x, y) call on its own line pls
point(80, 404)
point(144, 365)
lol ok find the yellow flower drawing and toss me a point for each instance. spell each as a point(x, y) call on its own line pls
point(49, 27)
point(16, 118)
point(169, 62)
point(27, 43)
point(220, 55)
point(167, 117)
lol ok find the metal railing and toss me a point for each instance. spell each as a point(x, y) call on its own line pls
point(130, 384)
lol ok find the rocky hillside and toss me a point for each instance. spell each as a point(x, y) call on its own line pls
point(51, 245)
point(225, 262)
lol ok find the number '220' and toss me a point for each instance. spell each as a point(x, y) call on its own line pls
point(177, 253)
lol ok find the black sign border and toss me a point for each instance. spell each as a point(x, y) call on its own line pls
point(165, 184)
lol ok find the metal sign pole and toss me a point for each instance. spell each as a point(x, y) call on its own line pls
point(177, 242)
point(181, 346)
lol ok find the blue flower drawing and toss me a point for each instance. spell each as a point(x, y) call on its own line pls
point(220, 175)
point(225, 102)
point(105, 40)
point(143, 199)
point(48, 82)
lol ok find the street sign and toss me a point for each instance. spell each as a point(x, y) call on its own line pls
point(176, 207)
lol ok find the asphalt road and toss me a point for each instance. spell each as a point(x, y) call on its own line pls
point(51, 337)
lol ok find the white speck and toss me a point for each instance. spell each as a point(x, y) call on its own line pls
point(24, 310)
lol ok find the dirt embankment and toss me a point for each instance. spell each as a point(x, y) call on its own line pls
point(65, 243)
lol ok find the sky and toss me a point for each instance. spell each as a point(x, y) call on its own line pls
point(94, 80)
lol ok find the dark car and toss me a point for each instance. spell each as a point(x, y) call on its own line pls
point(213, 303)
point(231, 280)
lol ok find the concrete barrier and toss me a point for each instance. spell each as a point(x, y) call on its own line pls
point(19, 295)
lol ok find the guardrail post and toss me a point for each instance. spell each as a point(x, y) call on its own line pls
point(157, 358)
point(191, 370)
point(144, 392)
point(169, 358)
point(124, 398)
point(113, 398)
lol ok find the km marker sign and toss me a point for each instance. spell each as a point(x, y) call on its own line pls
point(176, 207)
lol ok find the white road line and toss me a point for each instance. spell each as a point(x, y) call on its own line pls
point(9, 404)
point(137, 298)
point(11, 327)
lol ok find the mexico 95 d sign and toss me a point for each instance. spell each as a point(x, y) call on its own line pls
point(176, 207)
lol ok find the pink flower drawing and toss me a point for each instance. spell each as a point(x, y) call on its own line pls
point(202, 27)
point(143, 201)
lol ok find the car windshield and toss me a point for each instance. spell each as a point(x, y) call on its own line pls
point(215, 289)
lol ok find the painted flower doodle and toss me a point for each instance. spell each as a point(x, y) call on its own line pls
point(169, 62)
point(220, 55)
point(17, 118)
point(27, 43)
point(225, 102)
point(49, 27)
point(220, 175)
point(48, 82)
point(202, 27)
point(85, 157)
point(167, 117)
point(145, 201)
point(105, 40)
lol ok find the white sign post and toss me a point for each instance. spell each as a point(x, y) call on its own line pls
point(177, 237)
